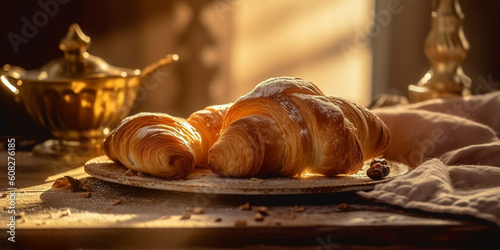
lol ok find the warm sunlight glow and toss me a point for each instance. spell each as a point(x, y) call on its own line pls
point(306, 174)
point(315, 41)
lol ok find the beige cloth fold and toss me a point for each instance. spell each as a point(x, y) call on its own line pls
point(454, 147)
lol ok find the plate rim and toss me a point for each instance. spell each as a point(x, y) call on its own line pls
point(175, 185)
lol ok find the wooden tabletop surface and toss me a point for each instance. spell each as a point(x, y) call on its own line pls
point(118, 216)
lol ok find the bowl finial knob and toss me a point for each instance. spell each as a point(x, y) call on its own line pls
point(75, 40)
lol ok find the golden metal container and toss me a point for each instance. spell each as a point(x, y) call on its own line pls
point(446, 48)
point(79, 97)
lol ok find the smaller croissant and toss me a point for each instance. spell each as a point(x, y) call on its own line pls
point(208, 123)
point(163, 145)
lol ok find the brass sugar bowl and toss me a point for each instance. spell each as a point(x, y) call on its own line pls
point(78, 97)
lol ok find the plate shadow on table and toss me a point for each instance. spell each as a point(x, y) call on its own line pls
point(142, 201)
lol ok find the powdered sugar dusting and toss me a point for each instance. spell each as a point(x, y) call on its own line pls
point(290, 108)
point(149, 130)
point(304, 133)
point(257, 118)
point(277, 85)
point(130, 118)
point(323, 105)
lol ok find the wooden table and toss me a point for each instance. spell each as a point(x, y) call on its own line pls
point(117, 216)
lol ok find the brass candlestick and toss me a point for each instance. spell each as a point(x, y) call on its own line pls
point(446, 48)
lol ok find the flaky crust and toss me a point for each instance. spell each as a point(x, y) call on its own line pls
point(163, 145)
point(156, 144)
point(372, 132)
point(287, 126)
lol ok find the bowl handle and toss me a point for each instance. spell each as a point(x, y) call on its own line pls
point(9, 75)
point(8, 82)
point(170, 58)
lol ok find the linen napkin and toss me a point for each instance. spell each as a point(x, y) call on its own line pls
point(453, 148)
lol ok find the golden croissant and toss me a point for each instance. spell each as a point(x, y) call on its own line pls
point(163, 145)
point(287, 126)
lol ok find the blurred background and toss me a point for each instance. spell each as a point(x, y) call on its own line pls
point(354, 49)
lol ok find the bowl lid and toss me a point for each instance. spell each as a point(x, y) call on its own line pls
point(77, 63)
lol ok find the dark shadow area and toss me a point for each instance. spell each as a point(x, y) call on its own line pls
point(30, 32)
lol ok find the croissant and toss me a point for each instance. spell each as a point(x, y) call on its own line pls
point(287, 126)
point(208, 123)
point(163, 145)
point(372, 132)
